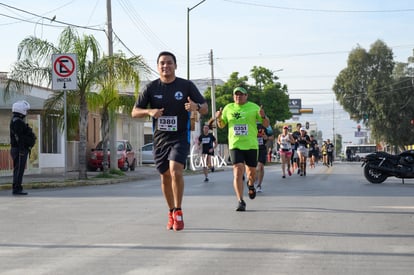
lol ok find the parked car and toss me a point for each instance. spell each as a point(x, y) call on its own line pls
point(125, 155)
point(147, 154)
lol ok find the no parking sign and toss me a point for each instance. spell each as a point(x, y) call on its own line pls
point(64, 72)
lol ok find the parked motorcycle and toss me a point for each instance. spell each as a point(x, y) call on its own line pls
point(379, 166)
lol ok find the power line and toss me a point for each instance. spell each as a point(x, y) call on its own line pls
point(93, 10)
point(310, 92)
point(63, 23)
point(141, 25)
point(152, 71)
point(249, 3)
point(288, 55)
point(307, 76)
point(28, 21)
point(51, 19)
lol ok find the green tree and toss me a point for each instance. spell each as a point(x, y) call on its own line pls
point(338, 144)
point(54, 106)
point(118, 72)
point(404, 86)
point(352, 83)
point(369, 90)
point(262, 77)
point(270, 94)
point(33, 66)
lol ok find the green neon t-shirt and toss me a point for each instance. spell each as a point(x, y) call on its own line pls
point(241, 121)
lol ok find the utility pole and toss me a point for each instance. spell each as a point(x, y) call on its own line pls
point(213, 94)
point(110, 31)
point(112, 123)
point(188, 37)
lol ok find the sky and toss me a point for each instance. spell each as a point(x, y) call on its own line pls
point(306, 43)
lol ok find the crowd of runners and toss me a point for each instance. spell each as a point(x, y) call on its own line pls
point(298, 150)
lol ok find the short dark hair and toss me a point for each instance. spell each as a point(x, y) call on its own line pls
point(167, 53)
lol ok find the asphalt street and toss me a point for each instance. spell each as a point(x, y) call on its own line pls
point(330, 222)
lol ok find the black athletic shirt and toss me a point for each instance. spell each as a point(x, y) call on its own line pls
point(312, 145)
point(207, 142)
point(303, 140)
point(171, 97)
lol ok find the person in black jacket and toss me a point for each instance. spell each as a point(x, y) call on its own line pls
point(22, 140)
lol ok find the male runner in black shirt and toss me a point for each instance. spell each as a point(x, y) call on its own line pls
point(170, 100)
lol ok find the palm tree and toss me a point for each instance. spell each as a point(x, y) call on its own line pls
point(34, 66)
point(121, 72)
point(54, 105)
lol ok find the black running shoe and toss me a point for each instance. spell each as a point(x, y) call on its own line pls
point(241, 206)
point(252, 192)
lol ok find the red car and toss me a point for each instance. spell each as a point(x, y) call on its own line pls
point(125, 155)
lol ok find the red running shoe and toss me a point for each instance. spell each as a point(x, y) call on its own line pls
point(170, 221)
point(290, 173)
point(178, 220)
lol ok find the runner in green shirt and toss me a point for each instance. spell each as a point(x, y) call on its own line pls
point(241, 117)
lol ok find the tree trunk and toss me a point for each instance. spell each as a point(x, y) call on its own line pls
point(83, 121)
point(105, 139)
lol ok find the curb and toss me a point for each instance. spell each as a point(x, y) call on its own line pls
point(72, 183)
point(91, 181)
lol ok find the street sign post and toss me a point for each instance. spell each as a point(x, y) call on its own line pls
point(64, 77)
point(64, 72)
point(295, 104)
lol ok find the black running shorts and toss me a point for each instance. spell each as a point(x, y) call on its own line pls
point(176, 150)
point(249, 157)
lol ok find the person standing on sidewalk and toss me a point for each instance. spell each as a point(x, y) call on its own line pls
point(22, 139)
point(241, 118)
point(208, 143)
point(169, 100)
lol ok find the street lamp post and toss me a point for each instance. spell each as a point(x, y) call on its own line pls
point(188, 37)
point(193, 115)
point(213, 95)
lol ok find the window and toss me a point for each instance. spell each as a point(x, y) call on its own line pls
point(50, 135)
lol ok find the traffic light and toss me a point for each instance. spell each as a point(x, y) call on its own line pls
point(359, 128)
point(307, 125)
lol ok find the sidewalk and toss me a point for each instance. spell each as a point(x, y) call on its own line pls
point(59, 180)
